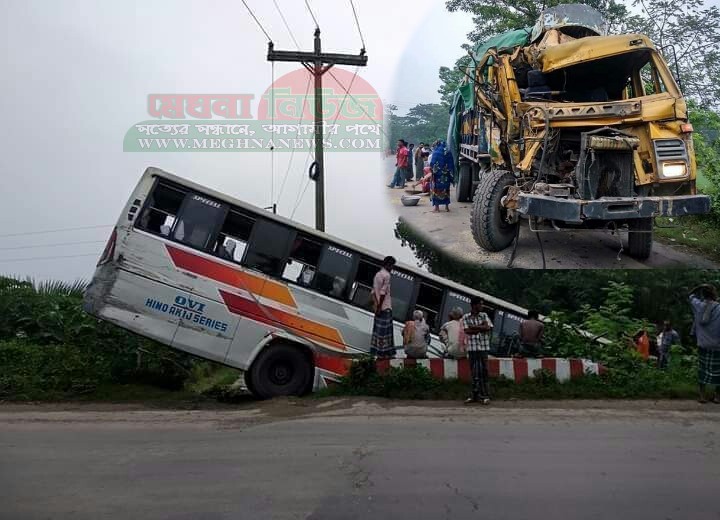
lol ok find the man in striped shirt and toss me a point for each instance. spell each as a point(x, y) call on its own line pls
point(478, 329)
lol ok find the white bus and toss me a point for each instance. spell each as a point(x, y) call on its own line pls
point(226, 281)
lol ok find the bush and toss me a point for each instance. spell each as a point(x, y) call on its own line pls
point(51, 348)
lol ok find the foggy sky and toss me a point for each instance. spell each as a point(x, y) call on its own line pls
point(77, 74)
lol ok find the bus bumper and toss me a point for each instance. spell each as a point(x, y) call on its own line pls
point(611, 208)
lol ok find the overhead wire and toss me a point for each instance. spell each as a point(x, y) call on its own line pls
point(57, 244)
point(357, 23)
point(297, 135)
point(347, 91)
point(287, 26)
point(45, 257)
point(57, 230)
point(307, 4)
point(256, 20)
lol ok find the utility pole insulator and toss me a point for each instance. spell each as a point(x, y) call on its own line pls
point(318, 63)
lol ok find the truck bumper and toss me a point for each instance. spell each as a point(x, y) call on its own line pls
point(611, 208)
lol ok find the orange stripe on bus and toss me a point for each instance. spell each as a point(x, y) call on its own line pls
point(312, 330)
point(223, 273)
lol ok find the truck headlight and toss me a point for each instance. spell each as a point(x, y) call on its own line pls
point(671, 170)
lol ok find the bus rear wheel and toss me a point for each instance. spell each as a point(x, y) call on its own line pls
point(280, 369)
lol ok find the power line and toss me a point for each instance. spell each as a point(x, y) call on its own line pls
point(256, 20)
point(59, 230)
point(37, 246)
point(297, 136)
point(44, 258)
point(282, 17)
point(347, 91)
point(317, 25)
point(352, 4)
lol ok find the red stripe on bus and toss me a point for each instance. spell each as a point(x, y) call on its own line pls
point(228, 275)
point(302, 327)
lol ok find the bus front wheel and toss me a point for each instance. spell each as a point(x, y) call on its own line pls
point(280, 369)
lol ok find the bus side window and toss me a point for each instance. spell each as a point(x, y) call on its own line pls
point(362, 288)
point(402, 288)
point(269, 246)
point(303, 261)
point(452, 300)
point(198, 221)
point(234, 236)
point(334, 271)
point(429, 300)
point(161, 210)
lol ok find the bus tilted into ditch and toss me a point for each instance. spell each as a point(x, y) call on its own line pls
point(229, 282)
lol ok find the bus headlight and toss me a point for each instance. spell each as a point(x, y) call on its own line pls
point(670, 170)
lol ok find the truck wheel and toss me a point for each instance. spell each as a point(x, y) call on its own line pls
point(463, 187)
point(488, 220)
point(280, 369)
point(640, 238)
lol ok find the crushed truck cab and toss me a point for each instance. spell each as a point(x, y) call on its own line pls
point(567, 126)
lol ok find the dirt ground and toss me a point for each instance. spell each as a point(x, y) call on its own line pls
point(563, 250)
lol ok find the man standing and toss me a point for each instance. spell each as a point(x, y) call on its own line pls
point(477, 326)
point(706, 311)
point(418, 160)
point(531, 332)
point(382, 343)
point(401, 163)
point(409, 169)
point(666, 339)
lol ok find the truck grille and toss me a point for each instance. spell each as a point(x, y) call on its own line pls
point(670, 150)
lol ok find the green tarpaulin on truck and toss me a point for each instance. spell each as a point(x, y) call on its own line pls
point(464, 98)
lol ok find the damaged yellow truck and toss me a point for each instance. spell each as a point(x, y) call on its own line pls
point(569, 127)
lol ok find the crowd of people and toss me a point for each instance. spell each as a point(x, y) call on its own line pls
point(431, 166)
point(469, 335)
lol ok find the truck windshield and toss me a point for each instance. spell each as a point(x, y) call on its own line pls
point(614, 78)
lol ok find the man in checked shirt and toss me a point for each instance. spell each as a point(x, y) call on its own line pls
point(478, 329)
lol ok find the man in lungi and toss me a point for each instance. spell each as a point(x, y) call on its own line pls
point(478, 331)
point(706, 311)
point(382, 343)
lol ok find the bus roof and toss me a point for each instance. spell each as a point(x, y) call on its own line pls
point(157, 172)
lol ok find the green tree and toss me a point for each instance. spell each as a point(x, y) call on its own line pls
point(493, 17)
point(689, 31)
point(450, 79)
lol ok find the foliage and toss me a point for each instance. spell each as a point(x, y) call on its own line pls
point(693, 31)
point(450, 79)
point(491, 17)
point(424, 123)
point(54, 347)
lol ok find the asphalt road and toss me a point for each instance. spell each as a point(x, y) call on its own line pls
point(563, 250)
point(350, 459)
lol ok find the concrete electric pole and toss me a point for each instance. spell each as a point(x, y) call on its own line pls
point(318, 63)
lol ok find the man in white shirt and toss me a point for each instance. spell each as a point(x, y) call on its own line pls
point(382, 343)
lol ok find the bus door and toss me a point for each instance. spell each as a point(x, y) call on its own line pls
point(206, 327)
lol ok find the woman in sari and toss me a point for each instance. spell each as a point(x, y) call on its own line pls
point(443, 168)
